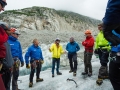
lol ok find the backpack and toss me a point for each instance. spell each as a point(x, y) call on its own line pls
point(3, 39)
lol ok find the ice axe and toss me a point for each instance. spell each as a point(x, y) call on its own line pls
point(73, 81)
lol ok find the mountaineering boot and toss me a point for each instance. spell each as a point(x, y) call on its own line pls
point(39, 80)
point(59, 73)
point(70, 71)
point(74, 73)
point(52, 75)
point(99, 81)
point(84, 73)
point(30, 84)
point(89, 74)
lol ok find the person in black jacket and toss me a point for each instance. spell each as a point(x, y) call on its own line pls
point(111, 30)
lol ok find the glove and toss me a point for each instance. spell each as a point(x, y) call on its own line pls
point(22, 64)
point(96, 51)
point(27, 66)
point(42, 61)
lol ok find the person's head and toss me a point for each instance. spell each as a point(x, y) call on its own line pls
point(71, 40)
point(57, 41)
point(2, 5)
point(87, 33)
point(100, 27)
point(35, 42)
point(6, 27)
point(14, 32)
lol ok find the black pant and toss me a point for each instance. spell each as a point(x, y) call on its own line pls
point(6, 78)
point(103, 56)
point(15, 77)
point(87, 61)
point(38, 69)
point(73, 58)
point(114, 74)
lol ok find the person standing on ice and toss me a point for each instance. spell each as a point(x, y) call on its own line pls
point(36, 61)
point(16, 51)
point(56, 50)
point(102, 49)
point(72, 48)
point(88, 43)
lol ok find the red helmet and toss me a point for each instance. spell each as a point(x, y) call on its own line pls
point(14, 30)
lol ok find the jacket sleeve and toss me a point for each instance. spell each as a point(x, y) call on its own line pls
point(3, 36)
point(90, 43)
point(61, 50)
point(78, 47)
point(41, 54)
point(27, 55)
point(84, 43)
point(20, 53)
point(51, 48)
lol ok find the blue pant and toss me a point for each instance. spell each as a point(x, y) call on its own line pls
point(57, 60)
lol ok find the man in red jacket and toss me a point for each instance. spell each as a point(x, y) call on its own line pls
point(88, 43)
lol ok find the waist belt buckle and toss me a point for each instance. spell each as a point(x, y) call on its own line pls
point(118, 53)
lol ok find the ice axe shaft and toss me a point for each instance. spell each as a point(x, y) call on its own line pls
point(73, 81)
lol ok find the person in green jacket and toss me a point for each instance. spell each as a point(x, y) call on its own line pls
point(102, 49)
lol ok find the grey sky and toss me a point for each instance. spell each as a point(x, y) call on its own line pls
point(91, 8)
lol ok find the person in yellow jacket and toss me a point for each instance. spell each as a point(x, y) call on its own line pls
point(102, 49)
point(56, 50)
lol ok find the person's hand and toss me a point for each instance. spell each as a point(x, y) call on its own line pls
point(49, 49)
point(22, 64)
point(27, 66)
point(41, 61)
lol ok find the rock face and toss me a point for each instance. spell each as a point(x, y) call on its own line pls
point(46, 24)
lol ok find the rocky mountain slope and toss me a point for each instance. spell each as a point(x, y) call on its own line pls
point(46, 24)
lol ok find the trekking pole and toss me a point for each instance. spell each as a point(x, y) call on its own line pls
point(73, 81)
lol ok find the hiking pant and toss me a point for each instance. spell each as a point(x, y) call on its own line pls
point(6, 76)
point(87, 61)
point(103, 56)
point(73, 59)
point(55, 60)
point(15, 77)
point(38, 69)
point(114, 74)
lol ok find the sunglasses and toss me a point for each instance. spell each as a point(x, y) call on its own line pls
point(16, 34)
point(3, 4)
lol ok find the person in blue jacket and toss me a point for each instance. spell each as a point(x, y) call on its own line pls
point(72, 48)
point(16, 51)
point(36, 60)
point(111, 22)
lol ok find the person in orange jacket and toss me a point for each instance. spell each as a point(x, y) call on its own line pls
point(88, 43)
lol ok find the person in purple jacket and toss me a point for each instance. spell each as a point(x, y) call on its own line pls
point(111, 31)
